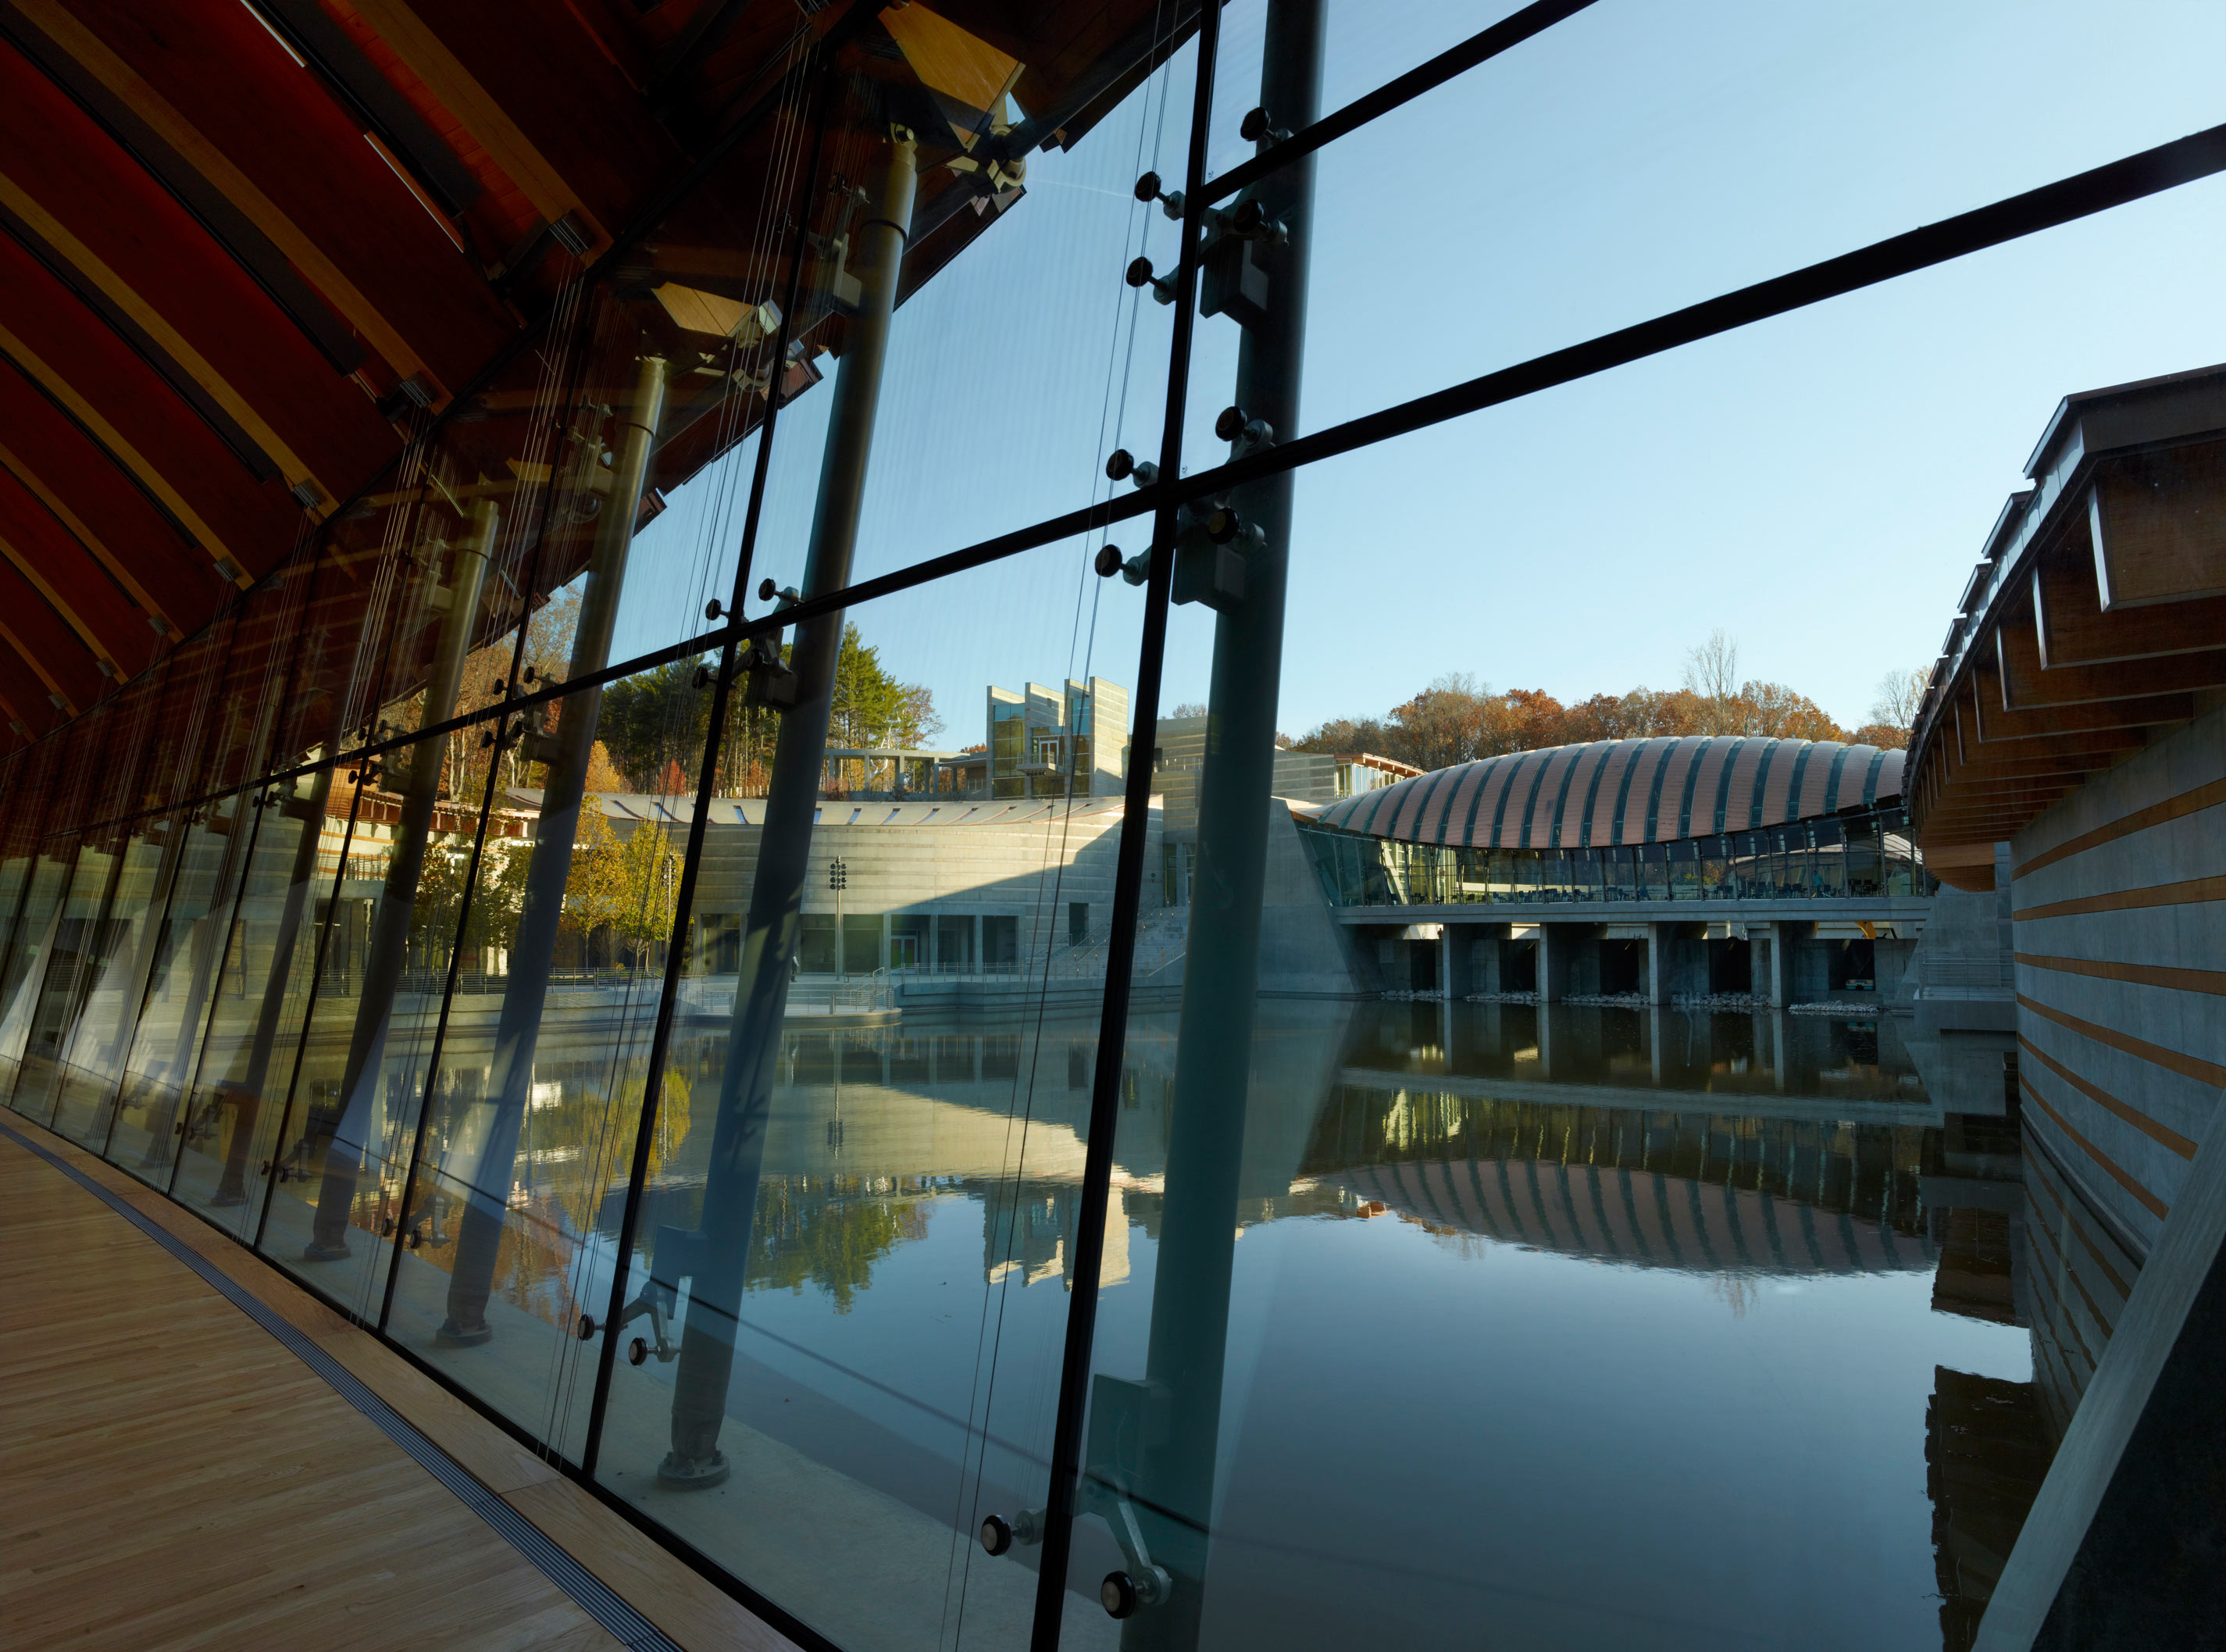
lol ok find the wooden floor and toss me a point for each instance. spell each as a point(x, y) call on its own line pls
point(171, 1476)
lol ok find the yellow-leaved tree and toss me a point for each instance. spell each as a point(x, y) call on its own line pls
point(649, 881)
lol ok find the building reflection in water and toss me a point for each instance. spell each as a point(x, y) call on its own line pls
point(1750, 1154)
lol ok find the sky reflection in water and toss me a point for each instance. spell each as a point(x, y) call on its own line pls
point(1596, 1375)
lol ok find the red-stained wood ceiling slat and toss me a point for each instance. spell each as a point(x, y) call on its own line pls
point(82, 362)
point(320, 172)
point(23, 695)
point(536, 60)
point(148, 553)
point(49, 648)
point(79, 585)
point(97, 193)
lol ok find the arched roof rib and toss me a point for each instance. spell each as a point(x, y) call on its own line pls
point(252, 256)
point(1615, 791)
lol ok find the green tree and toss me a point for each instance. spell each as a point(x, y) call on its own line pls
point(649, 891)
point(808, 1232)
point(871, 707)
point(594, 888)
point(654, 720)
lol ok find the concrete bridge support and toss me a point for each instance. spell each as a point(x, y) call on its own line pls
point(1773, 946)
point(1475, 959)
point(1568, 960)
point(1677, 961)
point(1807, 971)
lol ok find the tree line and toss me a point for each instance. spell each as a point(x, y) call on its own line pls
point(650, 732)
point(1458, 719)
point(652, 727)
point(654, 724)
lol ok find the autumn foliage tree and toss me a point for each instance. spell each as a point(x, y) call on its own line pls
point(1457, 719)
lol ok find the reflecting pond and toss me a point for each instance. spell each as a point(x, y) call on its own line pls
point(1554, 1328)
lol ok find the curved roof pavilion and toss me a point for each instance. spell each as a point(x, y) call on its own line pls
point(1618, 792)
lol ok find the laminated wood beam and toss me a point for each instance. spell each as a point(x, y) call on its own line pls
point(66, 577)
point(55, 653)
point(323, 197)
point(2074, 629)
point(1994, 723)
point(2028, 686)
point(87, 492)
point(2157, 522)
point(451, 49)
point(84, 207)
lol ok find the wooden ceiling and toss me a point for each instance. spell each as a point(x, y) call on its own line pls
point(247, 245)
point(2095, 620)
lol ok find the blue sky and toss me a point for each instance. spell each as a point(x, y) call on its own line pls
point(1817, 486)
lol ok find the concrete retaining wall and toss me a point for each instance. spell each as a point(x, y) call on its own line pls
point(2119, 896)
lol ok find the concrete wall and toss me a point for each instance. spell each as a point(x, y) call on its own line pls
point(1959, 978)
point(1303, 950)
point(2121, 962)
point(1030, 868)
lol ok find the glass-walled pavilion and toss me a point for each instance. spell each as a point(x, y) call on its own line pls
point(1006, 1329)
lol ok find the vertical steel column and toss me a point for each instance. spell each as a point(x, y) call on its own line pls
point(210, 947)
point(389, 940)
point(247, 1089)
point(652, 1093)
point(769, 939)
point(117, 1056)
point(1064, 1482)
point(1191, 1288)
point(84, 962)
point(526, 991)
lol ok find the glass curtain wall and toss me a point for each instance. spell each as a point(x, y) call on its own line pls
point(950, 1220)
point(1855, 856)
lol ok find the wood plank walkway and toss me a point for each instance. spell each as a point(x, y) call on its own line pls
point(172, 1477)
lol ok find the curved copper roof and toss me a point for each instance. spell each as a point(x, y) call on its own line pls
point(1623, 792)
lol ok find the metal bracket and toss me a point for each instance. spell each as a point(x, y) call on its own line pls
point(676, 1255)
point(1237, 259)
point(767, 680)
point(1211, 548)
point(535, 743)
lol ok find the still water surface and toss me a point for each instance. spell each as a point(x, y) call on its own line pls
point(1565, 1329)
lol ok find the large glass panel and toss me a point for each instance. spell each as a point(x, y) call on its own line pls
point(191, 949)
point(1601, 1217)
point(69, 960)
point(1631, 161)
point(352, 1119)
point(535, 1103)
point(89, 941)
point(100, 1036)
point(262, 1001)
point(23, 823)
point(24, 980)
point(846, 1287)
point(1019, 358)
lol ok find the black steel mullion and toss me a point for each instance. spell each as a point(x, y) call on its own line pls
point(440, 1032)
point(652, 1093)
point(308, 1015)
point(222, 943)
point(1065, 1467)
point(2134, 178)
point(567, 404)
point(1480, 47)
